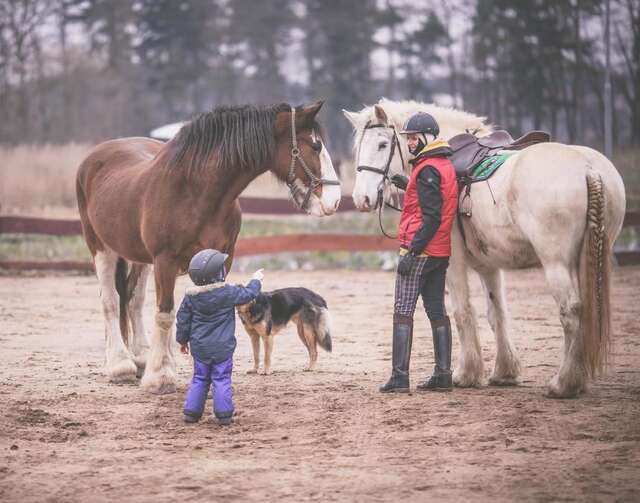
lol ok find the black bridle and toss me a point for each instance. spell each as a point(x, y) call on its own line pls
point(296, 155)
point(380, 202)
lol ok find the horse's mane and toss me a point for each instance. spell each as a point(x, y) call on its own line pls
point(450, 120)
point(230, 137)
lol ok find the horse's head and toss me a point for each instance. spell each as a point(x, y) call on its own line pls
point(379, 153)
point(302, 161)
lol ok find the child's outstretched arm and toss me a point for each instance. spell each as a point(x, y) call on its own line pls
point(183, 321)
point(245, 294)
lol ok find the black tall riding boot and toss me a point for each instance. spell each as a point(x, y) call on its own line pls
point(401, 355)
point(441, 378)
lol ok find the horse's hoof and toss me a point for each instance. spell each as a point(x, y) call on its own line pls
point(555, 390)
point(122, 372)
point(265, 372)
point(504, 381)
point(466, 381)
point(553, 393)
point(140, 359)
point(307, 369)
point(159, 383)
point(252, 371)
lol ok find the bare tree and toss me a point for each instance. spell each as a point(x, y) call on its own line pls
point(629, 47)
point(19, 20)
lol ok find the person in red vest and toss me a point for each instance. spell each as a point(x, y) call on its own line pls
point(429, 209)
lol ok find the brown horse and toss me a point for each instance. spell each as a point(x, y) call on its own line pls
point(146, 202)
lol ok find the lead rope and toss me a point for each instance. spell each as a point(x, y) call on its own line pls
point(396, 142)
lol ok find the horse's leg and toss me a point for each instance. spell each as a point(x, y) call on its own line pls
point(120, 364)
point(507, 368)
point(137, 284)
point(470, 368)
point(160, 375)
point(571, 378)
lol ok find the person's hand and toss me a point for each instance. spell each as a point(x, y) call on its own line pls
point(399, 181)
point(406, 264)
point(258, 275)
point(184, 349)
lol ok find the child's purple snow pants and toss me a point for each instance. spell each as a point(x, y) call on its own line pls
point(217, 375)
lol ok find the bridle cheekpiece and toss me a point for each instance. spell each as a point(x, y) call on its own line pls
point(296, 156)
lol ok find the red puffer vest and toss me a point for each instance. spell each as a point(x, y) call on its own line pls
point(411, 218)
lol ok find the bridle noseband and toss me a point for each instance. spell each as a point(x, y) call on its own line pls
point(296, 155)
point(380, 203)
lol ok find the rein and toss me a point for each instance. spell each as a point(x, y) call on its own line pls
point(296, 156)
point(380, 203)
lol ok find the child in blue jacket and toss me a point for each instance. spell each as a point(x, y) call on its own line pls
point(206, 323)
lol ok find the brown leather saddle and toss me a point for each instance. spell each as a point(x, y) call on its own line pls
point(469, 150)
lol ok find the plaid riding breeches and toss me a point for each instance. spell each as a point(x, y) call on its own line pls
point(427, 279)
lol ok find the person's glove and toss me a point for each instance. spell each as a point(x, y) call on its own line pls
point(258, 275)
point(399, 181)
point(406, 264)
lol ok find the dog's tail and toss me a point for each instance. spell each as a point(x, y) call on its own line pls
point(322, 327)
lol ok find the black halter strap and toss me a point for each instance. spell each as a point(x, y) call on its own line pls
point(380, 203)
point(296, 156)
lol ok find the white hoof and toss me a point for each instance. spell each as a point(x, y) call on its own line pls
point(496, 380)
point(121, 370)
point(466, 379)
point(160, 382)
point(266, 372)
point(140, 359)
point(557, 390)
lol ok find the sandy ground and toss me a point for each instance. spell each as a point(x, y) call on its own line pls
point(66, 434)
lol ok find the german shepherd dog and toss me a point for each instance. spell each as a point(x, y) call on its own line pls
point(270, 312)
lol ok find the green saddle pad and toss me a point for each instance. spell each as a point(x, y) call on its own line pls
point(490, 165)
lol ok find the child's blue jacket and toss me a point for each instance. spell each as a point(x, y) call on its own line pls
point(206, 319)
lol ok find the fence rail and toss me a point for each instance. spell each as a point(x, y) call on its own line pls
point(248, 246)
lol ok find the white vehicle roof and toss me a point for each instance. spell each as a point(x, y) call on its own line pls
point(167, 131)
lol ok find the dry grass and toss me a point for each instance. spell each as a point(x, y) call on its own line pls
point(40, 180)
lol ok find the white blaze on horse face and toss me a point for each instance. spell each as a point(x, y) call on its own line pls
point(373, 152)
point(328, 203)
point(331, 194)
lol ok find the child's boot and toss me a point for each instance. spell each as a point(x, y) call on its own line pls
point(188, 418)
point(224, 418)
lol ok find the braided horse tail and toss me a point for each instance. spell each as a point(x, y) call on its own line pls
point(595, 278)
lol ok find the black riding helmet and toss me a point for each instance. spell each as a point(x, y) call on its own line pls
point(421, 123)
point(207, 266)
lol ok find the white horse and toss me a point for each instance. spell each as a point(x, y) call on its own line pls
point(551, 205)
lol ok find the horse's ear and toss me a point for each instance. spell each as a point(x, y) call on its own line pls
point(381, 115)
point(304, 118)
point(307, 114)
point(352, 117)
